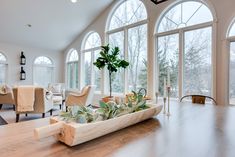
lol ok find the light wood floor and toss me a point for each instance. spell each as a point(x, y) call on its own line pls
point(9, 115)
point(191, 131)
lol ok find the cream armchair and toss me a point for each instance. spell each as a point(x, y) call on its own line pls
point(58, 93)
point(81, 99)
point(7, 98)
point(42, 103)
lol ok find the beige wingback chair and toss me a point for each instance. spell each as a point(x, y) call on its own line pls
point(42, 103)
point(81, 99)
point(7, 98)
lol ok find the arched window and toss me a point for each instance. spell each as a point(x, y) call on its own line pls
point(91, 49)
point(43, 71)
point(72, 69)
point(3, 68)
point(127, 29)
point(231, 36)
point(184, 48)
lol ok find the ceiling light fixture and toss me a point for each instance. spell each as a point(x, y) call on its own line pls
point(158, 1)
point(73, 1)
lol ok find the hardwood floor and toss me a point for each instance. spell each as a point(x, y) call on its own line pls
point(190, 131)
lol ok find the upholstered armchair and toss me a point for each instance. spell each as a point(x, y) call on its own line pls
point(58, 92)
point(81, 99)
point(6, 97)
point(42, 103)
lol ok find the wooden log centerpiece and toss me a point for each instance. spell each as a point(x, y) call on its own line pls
point(73, 133)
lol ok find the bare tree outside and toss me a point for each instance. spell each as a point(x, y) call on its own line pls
point(130, 12)
point(197, 67)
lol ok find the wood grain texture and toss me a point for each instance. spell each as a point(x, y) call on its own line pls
point(73, 133)
point(190, 131)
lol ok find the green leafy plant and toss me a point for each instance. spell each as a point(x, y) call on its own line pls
point(81, 114)
point(109, 57)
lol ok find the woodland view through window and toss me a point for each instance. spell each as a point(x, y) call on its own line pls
point(92, 75)
point(186, 30)
point(128, 30)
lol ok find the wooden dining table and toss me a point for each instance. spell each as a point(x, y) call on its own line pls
point(191, 130)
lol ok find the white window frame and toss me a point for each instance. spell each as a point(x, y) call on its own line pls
point(181, 33)
point(66, 69)
point(44, 65)
point(92, 51)
point(125, 29)
point(229, 40)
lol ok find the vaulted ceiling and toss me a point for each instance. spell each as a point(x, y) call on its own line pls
point(54, 23)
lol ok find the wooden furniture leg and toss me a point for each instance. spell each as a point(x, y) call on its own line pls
point(43, 115)
point(14, 107)
point(51, 112)
point(17, 118)
point(0, 106)
point(60, 106)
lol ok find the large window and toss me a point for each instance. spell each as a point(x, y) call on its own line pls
point(184, 47)
point(3, 68)
point(232, 66)
point(90, 51)
point(127, 29)
point(72, 69)
point(43, 71)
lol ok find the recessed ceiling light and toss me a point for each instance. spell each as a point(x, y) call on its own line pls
point(73, 1)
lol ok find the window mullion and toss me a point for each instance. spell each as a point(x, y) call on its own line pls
point(126, 58)
point(92, 68)
point(181, 63)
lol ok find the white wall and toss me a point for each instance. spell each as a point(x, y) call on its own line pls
point(12, 52)
point(225, 12)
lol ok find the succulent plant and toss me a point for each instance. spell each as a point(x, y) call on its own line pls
point(81, 114)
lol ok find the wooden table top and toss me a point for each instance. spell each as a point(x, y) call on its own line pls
point(190, 131)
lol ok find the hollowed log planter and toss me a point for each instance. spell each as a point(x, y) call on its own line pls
point(74, 133)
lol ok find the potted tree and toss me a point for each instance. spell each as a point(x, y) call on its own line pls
point(109, 58)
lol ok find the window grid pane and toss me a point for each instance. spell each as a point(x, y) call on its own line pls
point(2, 58)
point(93, 41)
point(88, 70)
point(232, 74)
point(131, 11)
point(117, 39)
point(72, 74)
point(197, 62)
point(232, 31)
point(137, 56)
point(185, 14)
point(168, 59)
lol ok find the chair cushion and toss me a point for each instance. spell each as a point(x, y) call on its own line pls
point(57, 99)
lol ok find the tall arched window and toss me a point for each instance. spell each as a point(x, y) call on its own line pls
point(184, 47)
point(72, 69)
point(3, 68)
point(231, 37)
point(43, 71)
point(127, 29)
point(91, 49)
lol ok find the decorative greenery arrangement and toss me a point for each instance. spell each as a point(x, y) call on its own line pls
point(109, 57)
point(106, 111)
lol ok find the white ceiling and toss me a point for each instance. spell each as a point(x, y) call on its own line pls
point(55, 23)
